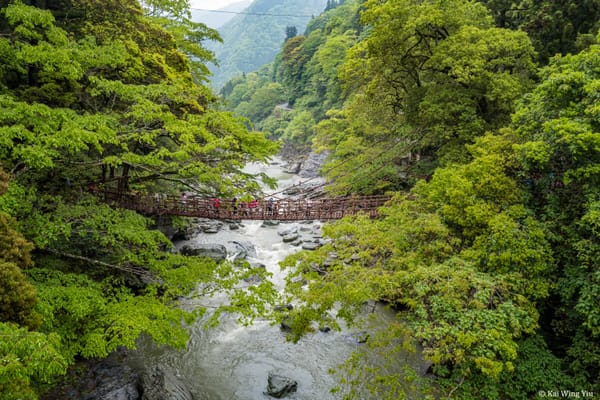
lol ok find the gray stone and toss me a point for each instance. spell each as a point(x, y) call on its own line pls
point(293, 168)
point(287, 230)
point(160, 383)
point(253, 279)
point(129, 392)
point(290, 237)
point(310, 246)
point(243, 249)
point(215, 251)
point(286, 324)
point(269, 222)
point(210, 226)
point(106, 379)
point(361, 337)
point(279, 386)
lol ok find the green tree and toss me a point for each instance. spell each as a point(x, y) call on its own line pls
point(461, 261)
point(27, 356)
point(300, 129)
point(107, 97)
point(559, 140)
point(426, 79)
point(290, 32)
point(17, 295)
point(555, 27)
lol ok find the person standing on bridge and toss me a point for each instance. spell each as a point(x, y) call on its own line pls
point(216, 204)
point(252, 205)
point(270, 205)
point(183, 200)
point(234, 204)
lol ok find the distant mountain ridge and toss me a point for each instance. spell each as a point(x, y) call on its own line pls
point(216, 19)
point(251, 40)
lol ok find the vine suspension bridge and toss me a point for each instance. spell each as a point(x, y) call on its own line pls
point(264, 209)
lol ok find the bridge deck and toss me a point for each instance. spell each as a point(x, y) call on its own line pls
point(281, 209)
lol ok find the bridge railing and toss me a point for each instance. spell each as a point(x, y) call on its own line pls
point(261, 209)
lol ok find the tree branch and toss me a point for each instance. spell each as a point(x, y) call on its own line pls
point(132, 270)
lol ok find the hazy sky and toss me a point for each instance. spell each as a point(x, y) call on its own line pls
point(211, 4)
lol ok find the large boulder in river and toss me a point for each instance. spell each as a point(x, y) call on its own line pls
point(279, 386)
point(242, 248)
point(160, 383)
point(212, 250)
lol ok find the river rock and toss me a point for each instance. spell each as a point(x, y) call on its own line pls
point(243, 248)
point(129, 392)
point(185, 233)
point(160, 383)
point(287, 230)
point(210, 226)
point(361, 337)
point(215, 251)
point(269, 222)
point(290, 237)
point(279, 386)
point(310, 245)
point(293, 168)
point(330, 260)
point(286, 324)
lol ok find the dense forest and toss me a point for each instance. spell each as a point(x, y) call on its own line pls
point(480, 118)
point(98, 95)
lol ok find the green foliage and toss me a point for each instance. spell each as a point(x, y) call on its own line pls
point(92, 319)
point(106, 97)
point(300, 128)
point(462, 262)
point(559, 154)
point(434, 76)
point(27, 356)
point(18, 297)
point(555, 27)
point(129, 107)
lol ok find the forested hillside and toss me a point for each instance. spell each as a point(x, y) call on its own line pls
point(102, 96)
point(482, 119)
point(251, 40)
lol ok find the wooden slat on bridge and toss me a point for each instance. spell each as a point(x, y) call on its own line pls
point(281, 209)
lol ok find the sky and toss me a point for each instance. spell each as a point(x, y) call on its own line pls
point(211, 4)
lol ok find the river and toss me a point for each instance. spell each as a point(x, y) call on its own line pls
point(231, 361)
